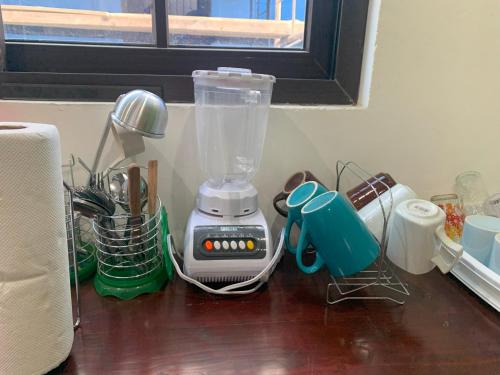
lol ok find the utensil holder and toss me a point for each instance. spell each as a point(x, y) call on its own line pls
point(379, 281)
point(129, 256)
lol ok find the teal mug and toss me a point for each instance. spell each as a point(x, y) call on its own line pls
point(343, 242)
point(297, 199)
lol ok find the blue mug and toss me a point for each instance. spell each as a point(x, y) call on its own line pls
point(343, 242)
point(297, 199)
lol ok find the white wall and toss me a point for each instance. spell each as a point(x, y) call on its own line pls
point(432, 113)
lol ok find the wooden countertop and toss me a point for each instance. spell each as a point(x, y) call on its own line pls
point(286, 328)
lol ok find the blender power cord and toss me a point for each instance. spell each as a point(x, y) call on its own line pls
point(229, 289)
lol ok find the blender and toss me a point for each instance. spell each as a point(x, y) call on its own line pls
point(227, 237)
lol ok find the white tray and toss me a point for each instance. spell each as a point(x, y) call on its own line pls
point(478, 278)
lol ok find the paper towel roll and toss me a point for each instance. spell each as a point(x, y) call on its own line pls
point(36, 327)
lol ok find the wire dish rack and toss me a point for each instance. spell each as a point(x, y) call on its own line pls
point(71, 238)
point(84, 242)
point(379, 281)
point(82, 233)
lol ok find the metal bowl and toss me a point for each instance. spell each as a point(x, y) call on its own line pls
point(141, 111)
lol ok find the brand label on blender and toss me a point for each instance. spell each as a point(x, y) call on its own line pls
point(228, 229)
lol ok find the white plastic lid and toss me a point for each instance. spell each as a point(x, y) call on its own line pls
point(233, 77)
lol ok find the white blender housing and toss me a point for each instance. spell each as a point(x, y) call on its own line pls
point(227, 237)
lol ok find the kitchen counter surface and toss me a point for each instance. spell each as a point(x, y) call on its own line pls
point(286, 328)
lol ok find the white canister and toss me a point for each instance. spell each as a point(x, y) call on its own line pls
point(372, 214)
point(418, 242)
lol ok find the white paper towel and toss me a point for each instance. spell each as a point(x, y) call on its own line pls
point(36, 327)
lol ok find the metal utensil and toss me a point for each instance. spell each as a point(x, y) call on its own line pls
point(97, 204)
point(118, 190)
point(137, 111)
point(95, 196)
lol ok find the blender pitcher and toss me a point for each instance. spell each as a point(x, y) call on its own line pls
point(232, 107)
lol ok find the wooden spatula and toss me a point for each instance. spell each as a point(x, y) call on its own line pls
point(152, 186)
point(134, 202)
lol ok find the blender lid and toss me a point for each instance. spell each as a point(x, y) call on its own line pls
point(233, 77)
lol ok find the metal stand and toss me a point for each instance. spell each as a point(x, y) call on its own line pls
point(379, 281)
point(76, 322)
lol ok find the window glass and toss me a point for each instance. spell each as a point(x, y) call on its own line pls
point(237, 23)
point(87, 21)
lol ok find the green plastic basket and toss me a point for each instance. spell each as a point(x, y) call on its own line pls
point(127, 288)
point(87, 264)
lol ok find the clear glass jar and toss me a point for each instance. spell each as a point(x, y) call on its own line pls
point(472, 191)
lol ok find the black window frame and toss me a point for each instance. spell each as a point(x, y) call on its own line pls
point(327, 73)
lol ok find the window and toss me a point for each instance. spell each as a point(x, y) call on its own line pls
point(97, 49)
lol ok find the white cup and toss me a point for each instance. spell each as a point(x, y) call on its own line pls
point(418, 242)
point(494, 263)
point(372, 214)
point(478, 236)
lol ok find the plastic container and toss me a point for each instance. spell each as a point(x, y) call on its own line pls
point(479, 278)
point(232, 107)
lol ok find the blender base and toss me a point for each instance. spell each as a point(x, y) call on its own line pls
point(226, 249)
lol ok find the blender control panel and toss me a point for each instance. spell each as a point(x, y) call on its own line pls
point(229, 242)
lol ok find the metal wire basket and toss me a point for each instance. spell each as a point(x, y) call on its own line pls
point(129, 256)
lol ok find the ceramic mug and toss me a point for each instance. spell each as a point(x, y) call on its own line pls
point(478, 236)
point(343, 242)
point(291, 184)
point(418, 241)
point(372, 214)
point(295, 201)
point(494, 263)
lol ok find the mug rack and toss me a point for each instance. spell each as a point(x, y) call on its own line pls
point(379, 281)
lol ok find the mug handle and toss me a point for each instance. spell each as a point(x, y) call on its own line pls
point(446, 249)
point(288, 231)
point(301, 246)
point(278, 198)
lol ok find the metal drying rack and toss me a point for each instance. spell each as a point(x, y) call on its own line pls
point(379, 281)
point(68, 188)
point(69, 191)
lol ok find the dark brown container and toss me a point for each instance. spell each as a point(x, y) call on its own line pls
point(363, 194)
